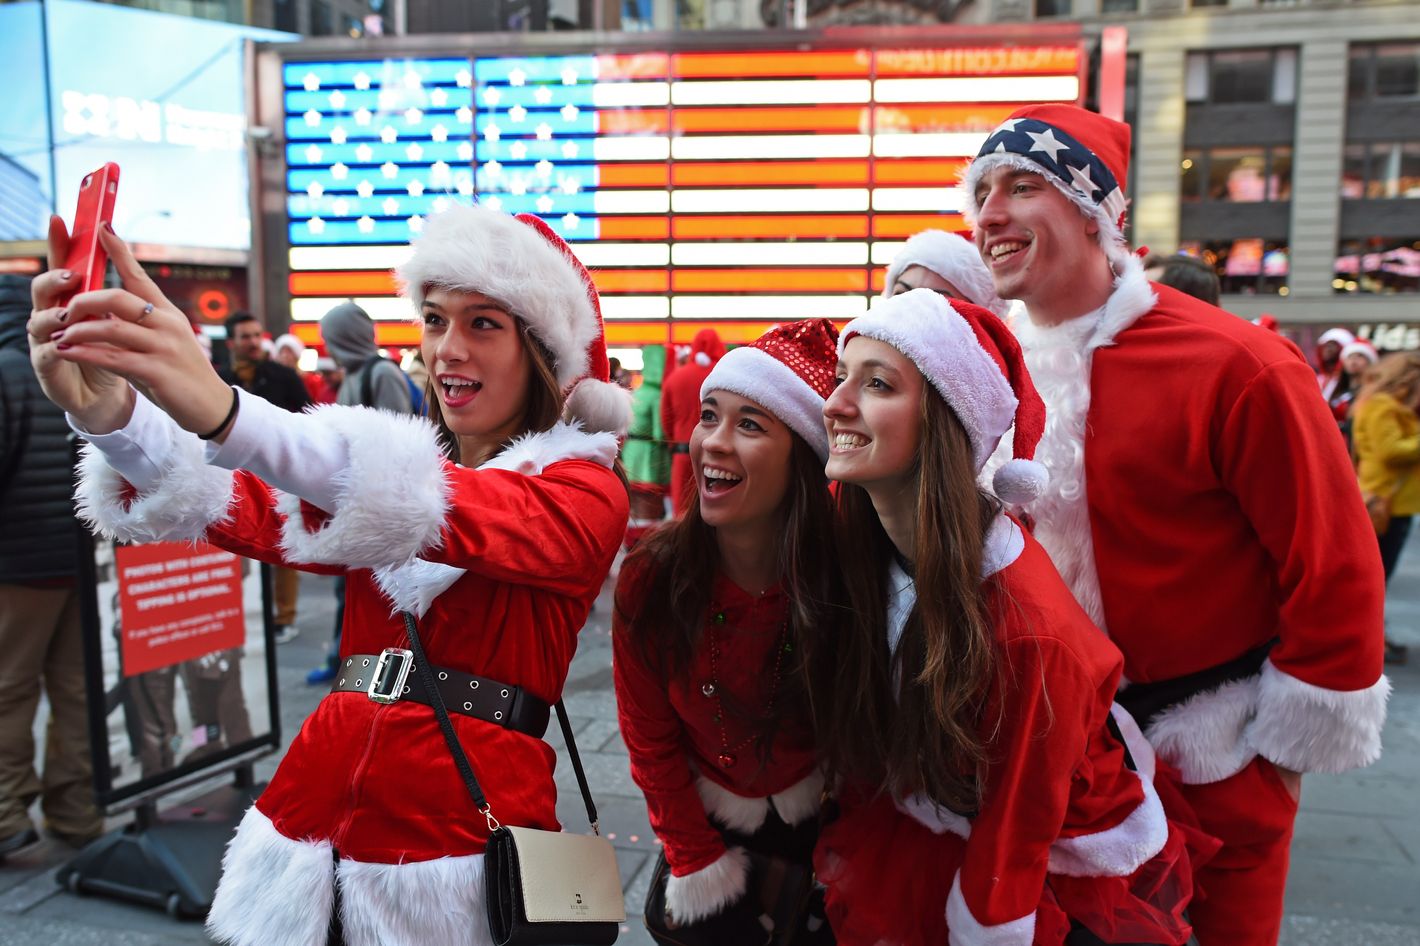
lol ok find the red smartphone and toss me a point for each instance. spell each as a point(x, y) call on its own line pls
point(97, 195)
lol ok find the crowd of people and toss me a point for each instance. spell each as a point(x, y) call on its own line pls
point(1012, 612)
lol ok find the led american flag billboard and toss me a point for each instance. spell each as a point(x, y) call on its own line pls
point(734, 187)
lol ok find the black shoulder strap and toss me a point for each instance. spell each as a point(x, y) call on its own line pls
point(367, 383)
point(436, 700)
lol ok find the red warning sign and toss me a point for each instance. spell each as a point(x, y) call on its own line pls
point(177, 602)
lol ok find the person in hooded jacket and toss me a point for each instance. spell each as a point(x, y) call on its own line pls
point(680, 410)
point(349, 336)
point(40, 628)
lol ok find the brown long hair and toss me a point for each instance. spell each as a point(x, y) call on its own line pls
point(1397, 375)
point(913, 721)
point(681, 560)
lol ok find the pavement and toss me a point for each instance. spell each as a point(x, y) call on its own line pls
point(1354, 878)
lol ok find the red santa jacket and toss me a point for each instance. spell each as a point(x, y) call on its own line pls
point(501, 564)
point(1201, 505)
point(674, 742)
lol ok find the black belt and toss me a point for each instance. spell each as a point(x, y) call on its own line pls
point(386, 678)
point(680, 448)
point(1145, 701)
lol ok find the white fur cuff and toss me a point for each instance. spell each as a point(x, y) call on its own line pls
point(1308, 728)
point(706, 892)
point(273, 889)
point(964, 929)
point(189, 497)
point(1204, 736)
point(744, 814)
point(391, 501)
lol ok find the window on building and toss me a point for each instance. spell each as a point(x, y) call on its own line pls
point(1208, 3)
point(285, 16)
point(322, 22)
point(1384, 71)
point(1053, 8)
point(1237, 175)
point(1378, 265)
point(1249, 266)
point(1119, 6)
point(1381, 170)
point(1242, 76)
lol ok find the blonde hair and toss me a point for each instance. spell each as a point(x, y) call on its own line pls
point(1397, 375)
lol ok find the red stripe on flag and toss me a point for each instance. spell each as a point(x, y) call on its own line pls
point(747, 65)
point(633, 175)
point(631, 280)
point(362, 283)
point(769, 280)
point(633, 228)
point(931, 172)
point(980, 61)
point(902, 226)
point(633, 66)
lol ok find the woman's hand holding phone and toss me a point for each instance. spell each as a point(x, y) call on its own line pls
point(87, 352)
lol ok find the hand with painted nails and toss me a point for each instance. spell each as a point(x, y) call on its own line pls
point(88, 351)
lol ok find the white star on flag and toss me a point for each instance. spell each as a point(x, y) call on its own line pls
point(439, 133)
point(315, 190)
point(543, 168)
point(412, 80)
point(570, 150)
point(492, 168)
point(441, 204)
point(341, 207)
point(570, 221)
point(517, 77)
point(517, 113)
point(389, 169)
point(337, 99)
point(544, 204)
point(364, 154)
point(415, 188)
point(493, 203)
point(366, 224)
point(518, 151)
point(465, 185)
point(1082, 180)
point(491, 132)
point(414, 152)
point(544, 132)
point(543, 95)
point(569, 76)
point(570, 112)
point(363, 116)
point(439, 170)
point(569, 185)
point(312, 118)
point(464, 115)
point(390, 206)
point(465, 151)
point(388, 135)
point(416, 224)
point(365, 189)
point(439, 98)
point(388, 100)
point(518, 186)
point(337, 135)
point(362, 81)
point(316, 225)
point(491, 97)
point(312, 155)
point(311, 82)
point(463, 78)
point(413, 116)
point(1046, 143)
point(339, 170)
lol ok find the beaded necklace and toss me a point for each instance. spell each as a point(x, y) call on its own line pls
point(711, 690)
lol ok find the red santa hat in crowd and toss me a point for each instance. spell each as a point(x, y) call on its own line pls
point(1084, 154)
point(974, 362)
point(524, 265)
point(1361, 347)
point(954, 259)
point(789, 371)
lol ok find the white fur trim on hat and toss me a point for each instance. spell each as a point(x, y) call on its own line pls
point(954, 259)
point(475, 249)
point(944, 347)
point(289, 341)
point(1359, 347)
point(757, 375)
point(1340, 336)
point(705, 892)
point(1018, 482)
point(599, 406)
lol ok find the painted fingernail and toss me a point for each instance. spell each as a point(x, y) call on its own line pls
point(66, 274)
point(63, 347)
point(57, 335)
point(63, 315)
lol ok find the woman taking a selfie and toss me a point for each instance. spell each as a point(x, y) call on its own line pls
point(711, 611)
point(987, 792)
point(495, 525)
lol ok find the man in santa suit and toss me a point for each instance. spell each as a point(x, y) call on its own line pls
point(680, 410)
point(1200, 506)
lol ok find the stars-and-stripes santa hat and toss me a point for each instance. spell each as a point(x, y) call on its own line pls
point(1083, 153)
point(523, 264)
point(789, 371)
point(974, 362)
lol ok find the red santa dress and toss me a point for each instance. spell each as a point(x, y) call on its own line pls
point(1070, 826)
point(501, 565)
point(1202, 510)
point(701, 776)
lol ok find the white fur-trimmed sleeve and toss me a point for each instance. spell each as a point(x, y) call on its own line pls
point(964, 929)
point(705, 892)
point(1308, 728)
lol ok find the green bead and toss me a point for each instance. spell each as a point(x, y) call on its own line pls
point(720, 617)
point(788, 647)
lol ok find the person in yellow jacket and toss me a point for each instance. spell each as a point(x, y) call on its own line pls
point(1386, 443)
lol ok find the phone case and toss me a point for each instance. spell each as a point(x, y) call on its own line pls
point(97, 195)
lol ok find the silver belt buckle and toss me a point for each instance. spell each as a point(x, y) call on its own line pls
point(391, 673)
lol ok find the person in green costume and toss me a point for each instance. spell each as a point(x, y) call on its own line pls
point(644, 453)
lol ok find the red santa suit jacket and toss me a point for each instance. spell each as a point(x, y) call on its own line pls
point(675, 744)
point(1200, 505)
point(1058, 795)
point(501, 564)
point(680, 408)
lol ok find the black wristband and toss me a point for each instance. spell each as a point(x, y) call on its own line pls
point(226, 421)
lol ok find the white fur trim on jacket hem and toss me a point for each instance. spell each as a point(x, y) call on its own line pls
point(1203, 736)
point(391, 501)
point(273, 889)
point(964, 929)
point(1118, 851)
point(419, 903)
point(189, 497)
point(1307, 728)
point(709, 890)
point(795, 804)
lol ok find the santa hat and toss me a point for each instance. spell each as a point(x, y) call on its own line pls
point(954, 259)
point(524, 265)
point(1338, 335)
point(1361, 347)
point(1081, 152)
point(975, 364)
point(789, 371)
point(288, 341)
